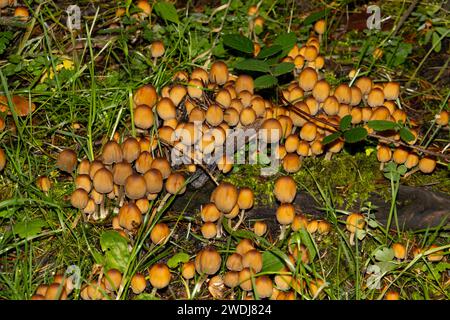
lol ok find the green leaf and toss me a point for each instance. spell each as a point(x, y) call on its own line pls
point(302, 236)
point(146, 296)
point(116, 250)
point(180, 257)
point(282, 68)
point(355, 135)
point(381, 125)
point(252, 65)
point(238, 42)
point(266, 81)
point(330, 138)
point(406, 135)
point(166, 11)
point(271, 262)
point(436, 41)
point(384, 254)
point(313, 17)
point(269, 51)
point(27, 228)
point(286, 41)
point(345, 122)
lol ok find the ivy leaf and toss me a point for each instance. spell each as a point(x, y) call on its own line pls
point(330, 138)
point(406, 135)
point(253, 65)
point(355, 134)
point(266, 81)
point(27, 228)
point(180, 257)
point(238, 42)
point(345, 122)
point(286, 41)
point(282, 68)
point(381, 125)
point(115, 246)
point(269, 51)
point(271, 262)
point(167, 11)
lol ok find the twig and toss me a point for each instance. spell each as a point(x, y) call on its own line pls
point(373, 135)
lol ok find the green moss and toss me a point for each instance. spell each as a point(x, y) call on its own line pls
point(439, 180)
point(351, 177)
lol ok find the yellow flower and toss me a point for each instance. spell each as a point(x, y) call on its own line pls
point(66, 64)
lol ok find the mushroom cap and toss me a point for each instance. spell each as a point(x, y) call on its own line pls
point(159, 233)
point(271, 130)
point(157, 49)
point(121, 171)
point(153, 180)
point(245, 279)
point(145, 95)
point(22, 106)
point(112, 279)
point(320, 26)
point(253, 259)
point(244, 82)
point(218, 73)
point(209, 230)
point(427, 164)
point(245, 198)
point(111, 153)
point(103, 181)
point(131, 149)
point(210, 213)
point(231, 279)
point(225, 197)
point(307, 79)
point(188, 270)
point(130, 217)
point(176, 183)
point(143, 117)
point(138, 283)
point(79, 198)
point(163, 165)
point(260, 228)
point(244, 246)
point(67, 160)
point(135, 186)
point(264, 286)
point(285, 213)
point(234, 262)
point(355, 221)
point(159, 275)
point(208, 261)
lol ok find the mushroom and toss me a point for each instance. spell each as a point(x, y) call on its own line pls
point(160, 233)
point(131, 149)
point(399, 251)
point(355, 222)
point(264, 286)
point(143, 117)
point(209, 230)
point(285, 189)
point(252, 259)
point(208, 261)
point(307, 79)
point(43, 183)
point(67, 160)
point(188, 270)
point(79, 199)
point(260, 228)
point(145, 95)
point(176, 183)
point(138, 283)
point(135, 186)
point(218, 73)
point(234, 262)
point(112, 280)
point(225, 197)
point(159, 276)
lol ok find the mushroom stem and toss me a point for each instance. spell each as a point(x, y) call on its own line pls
point(352, 239)
point(328, 155)
point(241, 219)
point(381, 166)
point(411, 172)
point(103, 210)
point(219, 227)
point(153, 293)
point(121, 196)
point(155, 59)
point(283, 232)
